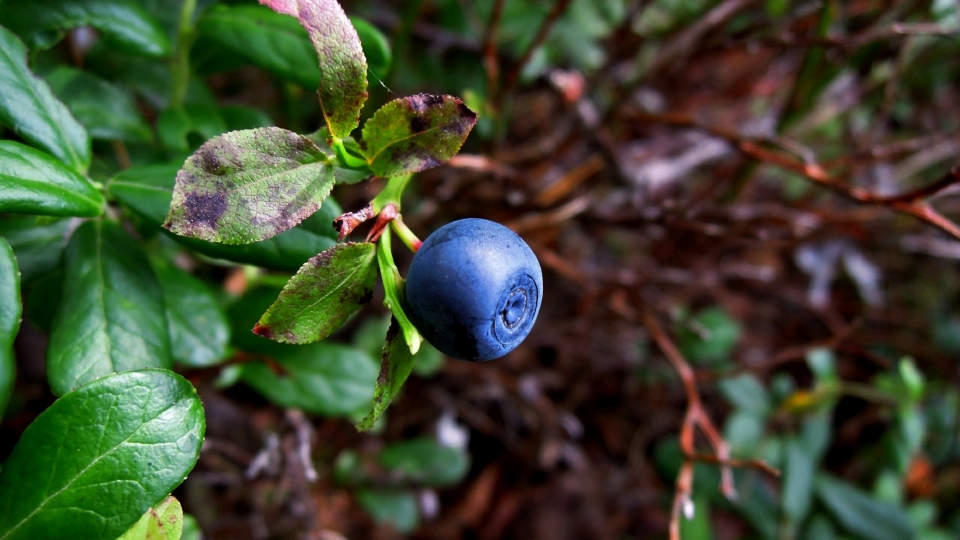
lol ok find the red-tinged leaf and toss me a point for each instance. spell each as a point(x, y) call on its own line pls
point(416, 133)
point(322, 295)
point(343, 67)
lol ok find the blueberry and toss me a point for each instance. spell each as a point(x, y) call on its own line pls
point(474, 289)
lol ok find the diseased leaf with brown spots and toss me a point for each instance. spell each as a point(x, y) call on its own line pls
point(249, 185)
point(395, 366)
point(343, 67)
point(318, 299)
point(416, 133)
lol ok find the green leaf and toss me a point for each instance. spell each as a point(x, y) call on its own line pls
point(92, 463)
point(426, 462)
point(38, 246)
point(415, 133)
point(174, 126)
point(123, 23)
point(376, 48)
point(710, 336)
point(395, 366)
point(860, 514)
point(322, 295)
point(191, 529)
point(29, 108)
point(148, 190)
point(34, 182)
point(394, 507)
point(112, 316)
point(245, 186)
point(321, 378)
point(165, 522)
point(745, 392)
point(392, 289)
point(272, 41)
point(199, 330)
point(799, 471)
point(10, 312)
point(698, 527)
point(106, 110)
point(343, 68)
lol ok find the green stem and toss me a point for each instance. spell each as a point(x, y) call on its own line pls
point(392, 193)
point(346, 158)
point(181, 55)
point(405, 234)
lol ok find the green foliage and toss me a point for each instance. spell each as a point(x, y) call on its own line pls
point(9, 320)
point(112, 314)
point(29, 108)
point(100, 456)
point(125, 23)
point(395, 366)
point(116, 143)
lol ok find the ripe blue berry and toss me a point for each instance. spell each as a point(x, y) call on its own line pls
point(474, 289)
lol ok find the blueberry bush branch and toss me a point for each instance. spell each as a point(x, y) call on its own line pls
point(250, 185)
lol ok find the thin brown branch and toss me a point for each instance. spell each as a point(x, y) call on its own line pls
point(491, 61)
point(542, 33)
point(696, 416)
point(907, 203)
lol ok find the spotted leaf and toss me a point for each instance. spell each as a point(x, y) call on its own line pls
point(416, 133)
point(343, 67)
point(249, 185)
point(318, 299)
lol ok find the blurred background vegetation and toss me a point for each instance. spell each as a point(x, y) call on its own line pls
point(725, 177)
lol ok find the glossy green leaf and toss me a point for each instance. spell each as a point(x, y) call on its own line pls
point(165, 522)
point(148, 190)
point(10, 312)
point(343, 68)
point(272, 41)
point(41, 23)
point(38, 246)
point(246, 186)
point(395, 365)
point(327, 289)
point(426, 462)
point(860, 514)
point(106, 110)
point(92, 463)
point(376, 48)
point(34, 182)
point(112, 316)
point(392, 289)
point(29, 108)
point(199, 330)
point(321, 378)
point(175, 126)
point(394, 507)
point(415, 133)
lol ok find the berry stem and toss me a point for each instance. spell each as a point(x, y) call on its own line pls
point(405, 234)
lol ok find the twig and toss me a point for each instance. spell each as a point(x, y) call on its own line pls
point(491, 62)
point(542, 33)
point(696, 416)
point(907, 203)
